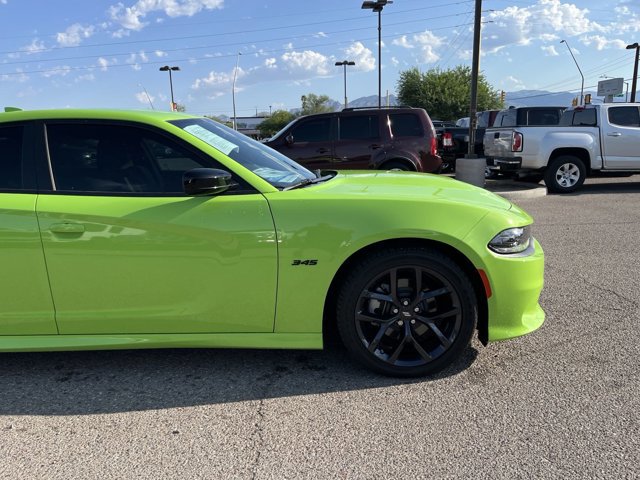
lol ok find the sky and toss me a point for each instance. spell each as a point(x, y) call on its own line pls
point(107, 53)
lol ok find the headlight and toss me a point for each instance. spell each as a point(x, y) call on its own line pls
point(511, 240)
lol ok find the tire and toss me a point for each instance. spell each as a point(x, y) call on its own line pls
point(395, 165)
point(564, 174)
point(417, 328)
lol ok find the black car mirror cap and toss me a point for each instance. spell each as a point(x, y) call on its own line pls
point(206, 182)
point(289, 139)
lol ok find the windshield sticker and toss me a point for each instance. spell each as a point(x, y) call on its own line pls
point(212, 139)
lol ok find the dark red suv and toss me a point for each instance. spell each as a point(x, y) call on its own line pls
point(400, 138)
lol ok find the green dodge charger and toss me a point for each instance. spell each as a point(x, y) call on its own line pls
point(148, 229)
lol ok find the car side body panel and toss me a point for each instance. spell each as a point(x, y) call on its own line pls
point(25, 297)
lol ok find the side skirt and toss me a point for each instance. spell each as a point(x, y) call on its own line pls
point(47, 343)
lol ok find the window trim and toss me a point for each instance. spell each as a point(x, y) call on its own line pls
point(45, 168)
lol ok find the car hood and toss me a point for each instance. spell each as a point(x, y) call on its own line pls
point(407, 185)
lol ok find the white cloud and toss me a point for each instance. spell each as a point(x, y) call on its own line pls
point(74, 34)
point(550, 51)
point(35, 46)
point(426, 42)
point(135, 59)
point(143, 98)
point(271, 63)
point(363, 57)
point(132, 18)
point(600, 42)
point(402, 42)
point(61, 71)
point(104, 63)
point(545, 21)
point(308, 61)
point(89, 77)
point(160, 53)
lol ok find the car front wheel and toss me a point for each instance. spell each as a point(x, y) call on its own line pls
point(407, 312)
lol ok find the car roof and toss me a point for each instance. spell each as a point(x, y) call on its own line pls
point(145, 116)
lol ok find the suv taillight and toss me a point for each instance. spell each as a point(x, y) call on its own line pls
point(516, 142)
point(447, 139)
point(434, 146)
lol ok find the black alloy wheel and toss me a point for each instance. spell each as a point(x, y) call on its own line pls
point(407, 312)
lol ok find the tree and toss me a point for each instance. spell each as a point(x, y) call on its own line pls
point(274, 123)
point(180, 107)
point(445, 94)
point(312, 103)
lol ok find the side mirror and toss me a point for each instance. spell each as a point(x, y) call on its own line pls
point(206, 181)
point(288, 139)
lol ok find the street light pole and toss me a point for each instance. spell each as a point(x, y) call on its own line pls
point(377, 6)
point(574, 60)
point(635, 71)
point(233, 90)
point(169, 69)
point(344, 64)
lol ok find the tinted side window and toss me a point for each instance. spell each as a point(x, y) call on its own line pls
point(112, 159)
point(586, 117)
point(625, 116)
point(358, 127)
point(543, 117)
point(10, 157)
point(508, 119)
point(318, 130)
point(405, 125)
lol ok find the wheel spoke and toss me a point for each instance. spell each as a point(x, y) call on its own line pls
point(398, 351)
point(381, 331)
point(363, 317)
point(444, 340)
point(393, 284)
point(377, 296)
point(433, 293)
point(439, 316)
point(421, 351)
point(418, 283)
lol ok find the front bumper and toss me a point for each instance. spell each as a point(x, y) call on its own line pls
point(516, 283)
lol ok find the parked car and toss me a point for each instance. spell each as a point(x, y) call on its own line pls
point(591, 140)
point(396, 138)
point(454, 141)
point(151, 229)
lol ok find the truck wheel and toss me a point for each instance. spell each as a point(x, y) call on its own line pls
point(564, 174)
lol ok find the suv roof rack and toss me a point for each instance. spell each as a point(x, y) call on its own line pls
point(349, 109)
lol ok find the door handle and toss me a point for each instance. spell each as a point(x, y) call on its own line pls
point(67, 227)
point(375, 146)
point(614, 134)
point(322, 150)
point(496, 135)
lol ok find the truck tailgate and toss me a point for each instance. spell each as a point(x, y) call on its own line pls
point(497, 142)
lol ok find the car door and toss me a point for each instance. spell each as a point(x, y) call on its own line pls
point(621, 137)
point(128, 252)
point(310, 142)
point(25, 297)
point(358, 139)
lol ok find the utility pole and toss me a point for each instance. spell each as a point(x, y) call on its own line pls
point(475, 67)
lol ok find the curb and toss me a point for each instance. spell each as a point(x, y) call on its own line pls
point(515, 190)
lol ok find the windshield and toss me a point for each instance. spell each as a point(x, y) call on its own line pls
point(275, 168)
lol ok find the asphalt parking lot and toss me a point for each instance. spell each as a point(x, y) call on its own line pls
point(562, 402)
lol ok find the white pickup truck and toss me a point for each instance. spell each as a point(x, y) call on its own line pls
point(590, 140)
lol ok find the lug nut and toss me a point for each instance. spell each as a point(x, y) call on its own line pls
point(405, 303)
point(416, 309)
point(413, 322)
point(400, 323)
point(395, 310)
